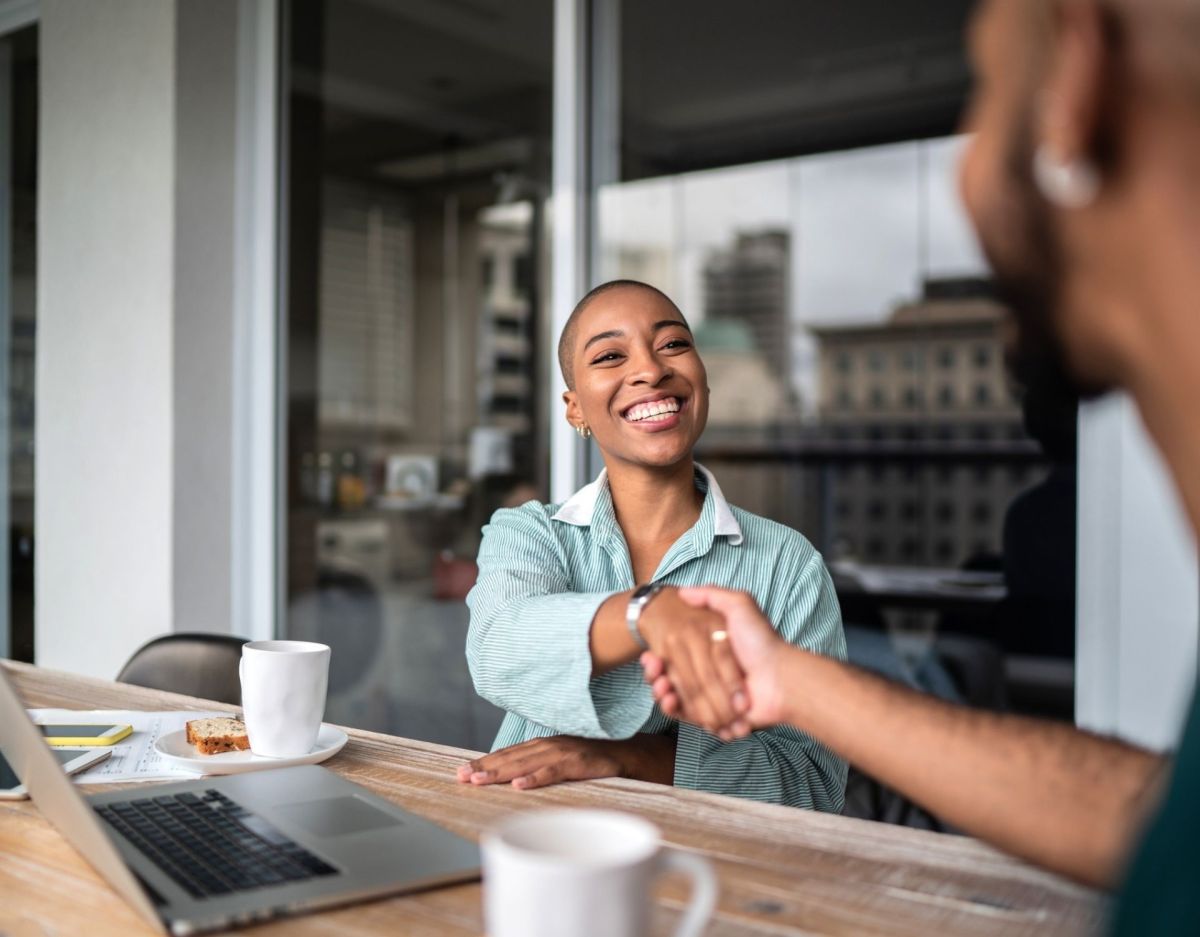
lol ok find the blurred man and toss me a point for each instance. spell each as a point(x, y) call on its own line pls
point(1083, 181)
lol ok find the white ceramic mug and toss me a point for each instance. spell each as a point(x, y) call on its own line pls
point(587, 873)
point(283, 695)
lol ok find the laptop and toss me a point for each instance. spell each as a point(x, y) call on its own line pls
point(214, 853)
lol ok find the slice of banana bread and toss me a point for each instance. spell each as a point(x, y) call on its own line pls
point(212, 736)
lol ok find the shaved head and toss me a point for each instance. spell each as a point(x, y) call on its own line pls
point(566, 342)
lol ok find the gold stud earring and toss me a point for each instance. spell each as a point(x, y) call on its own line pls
point(583, 431)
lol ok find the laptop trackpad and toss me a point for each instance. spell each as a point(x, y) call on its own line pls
point(336, 816)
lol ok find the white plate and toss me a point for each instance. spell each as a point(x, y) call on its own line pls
point(174, 748)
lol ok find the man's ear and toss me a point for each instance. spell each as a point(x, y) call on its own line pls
point(1071, 113)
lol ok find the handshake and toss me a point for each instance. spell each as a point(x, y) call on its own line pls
point(713, 660)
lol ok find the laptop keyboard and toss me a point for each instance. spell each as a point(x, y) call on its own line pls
point(210, 845)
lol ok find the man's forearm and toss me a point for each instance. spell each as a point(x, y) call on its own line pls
point(1060, 797)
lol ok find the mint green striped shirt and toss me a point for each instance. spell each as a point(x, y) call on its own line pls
point(544, 570)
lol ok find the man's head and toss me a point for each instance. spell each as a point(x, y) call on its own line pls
point(1103, 87)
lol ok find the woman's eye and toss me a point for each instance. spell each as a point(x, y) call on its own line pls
point(676, 343)
point(607, 356)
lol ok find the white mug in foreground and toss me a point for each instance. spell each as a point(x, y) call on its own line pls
point(283, 695)
point(587, 873)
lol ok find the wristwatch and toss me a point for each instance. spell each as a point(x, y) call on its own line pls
point(641, 597)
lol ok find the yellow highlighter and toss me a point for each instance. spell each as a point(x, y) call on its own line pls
point(102, 733)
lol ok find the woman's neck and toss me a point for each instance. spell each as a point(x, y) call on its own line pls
point(654, 505)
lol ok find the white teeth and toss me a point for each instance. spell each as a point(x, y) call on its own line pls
point(648, 411)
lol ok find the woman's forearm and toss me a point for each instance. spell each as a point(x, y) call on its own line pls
point(610, 642)
point(649, 758)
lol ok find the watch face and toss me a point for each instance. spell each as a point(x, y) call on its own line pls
point(643, 591)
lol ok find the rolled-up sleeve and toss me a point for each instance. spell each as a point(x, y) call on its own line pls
point(781, 765)
point(528, 645)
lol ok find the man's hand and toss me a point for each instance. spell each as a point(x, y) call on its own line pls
point(692, 641)
point(755, 647)
point(541, 762)
point(1064, 799)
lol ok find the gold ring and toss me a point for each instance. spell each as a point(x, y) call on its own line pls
point(720, 635)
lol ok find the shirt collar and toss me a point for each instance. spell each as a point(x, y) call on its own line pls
point(579, 509)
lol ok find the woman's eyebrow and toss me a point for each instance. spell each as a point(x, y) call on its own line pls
point(601, 336)
point(617, 333)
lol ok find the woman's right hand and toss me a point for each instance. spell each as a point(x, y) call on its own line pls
point(757, 648)
point(692, 643)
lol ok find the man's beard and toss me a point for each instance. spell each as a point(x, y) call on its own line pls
point(1028, 279)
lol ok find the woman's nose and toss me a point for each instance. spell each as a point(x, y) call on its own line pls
point(649, 368)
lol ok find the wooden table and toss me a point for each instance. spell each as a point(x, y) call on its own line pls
point(782, 871)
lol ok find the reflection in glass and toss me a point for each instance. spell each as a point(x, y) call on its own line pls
point(856, 355)
point(817, 286)
point(417, 172)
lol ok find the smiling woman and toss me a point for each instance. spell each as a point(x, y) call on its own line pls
point(631, 369)
point(558, 620)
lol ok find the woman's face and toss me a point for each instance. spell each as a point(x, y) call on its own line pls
point(640, 386)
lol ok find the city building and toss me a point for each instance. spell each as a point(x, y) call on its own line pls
point(749, 283)
point(926, 396)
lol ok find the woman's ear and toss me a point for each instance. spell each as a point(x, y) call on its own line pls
point(574, 412)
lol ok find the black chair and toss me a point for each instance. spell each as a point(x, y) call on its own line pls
point(203, 665)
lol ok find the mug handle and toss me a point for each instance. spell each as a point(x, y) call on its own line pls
point(704, 890)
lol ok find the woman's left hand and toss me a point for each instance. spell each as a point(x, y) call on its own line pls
point(541, 762)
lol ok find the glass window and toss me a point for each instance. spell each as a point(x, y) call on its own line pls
point(417, 265)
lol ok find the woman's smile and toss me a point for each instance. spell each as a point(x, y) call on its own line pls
point(656, 414)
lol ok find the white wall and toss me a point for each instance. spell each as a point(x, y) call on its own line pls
point(1138, 583)
point(104, 354)
point(138, 381)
